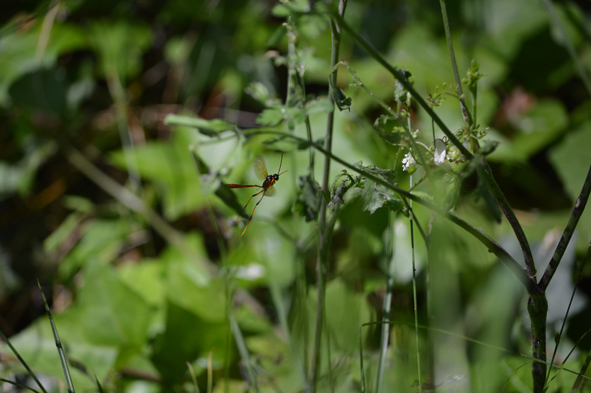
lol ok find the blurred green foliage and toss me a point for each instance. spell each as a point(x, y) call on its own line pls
point(134, 239)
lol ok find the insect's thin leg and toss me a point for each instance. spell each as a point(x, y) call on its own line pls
point(245, 206)
point(280, 162)
point(255, 207)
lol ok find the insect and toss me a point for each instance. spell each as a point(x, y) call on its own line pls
point(267, 187)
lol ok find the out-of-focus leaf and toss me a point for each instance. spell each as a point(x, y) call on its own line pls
point(19, 49)
point(120, 46)
point(540, 127)
point(43, 89)
point(292, 7)
point(8, 279)
point(271, 117)
point(185, 338)
point(206, 127)
point(109, 312)
point(146, 279)
point(345, 311)
point(36, 345)
point(571, 159)
point(109, 319)
point(320, 105)
point(308, 198)
point(101, 241)
point(19, 177)
point(63, 232)
point(171, 167)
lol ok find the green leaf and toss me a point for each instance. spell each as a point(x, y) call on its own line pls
point(206, 127)
point(172, 169)
point(101, 241)
point(374, 196)
point(19, 52)
point(120, 46)
point(340, 98)
point(63, 232)
point(20, 176)
point(545, 123)
point(185, 338)
point(572, 157)
point(290, 8)
point(271, 117)
point(308, 198)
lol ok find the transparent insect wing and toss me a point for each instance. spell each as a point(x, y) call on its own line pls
point(260, 168)
point(270, 191)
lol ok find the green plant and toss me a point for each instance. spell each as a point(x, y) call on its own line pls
point(329, 289)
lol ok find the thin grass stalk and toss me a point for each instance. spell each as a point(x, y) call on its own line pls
point(579, 381)
point(58, 344)
point(362, 369)
point(18, 385)
point(294, 75)
point(465, 113)
point(323, 238)
point(193, 377)
point(244, 353)
point(414, 294)
point(331, 380)
point(227, 291)
point(386, 308)
point(474, 341)
point(564, 323)
point(20, 359)
point(210, 372)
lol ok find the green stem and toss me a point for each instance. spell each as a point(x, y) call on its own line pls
point(568, 233)
point(323, 238)
point(465, 113)
point(504, 204)
point(519, 272)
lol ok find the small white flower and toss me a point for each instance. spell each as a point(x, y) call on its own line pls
point(408, 162)
point(440, 152)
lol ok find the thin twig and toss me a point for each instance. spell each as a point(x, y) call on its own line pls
point(568, 233)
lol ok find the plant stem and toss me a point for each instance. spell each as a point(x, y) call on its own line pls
point(465, 113)
point(385, 338)
point(519, 272)
point(323, 238)
point(568, 233)
point(489, 178)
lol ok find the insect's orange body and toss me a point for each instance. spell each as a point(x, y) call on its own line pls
point(267, 187)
